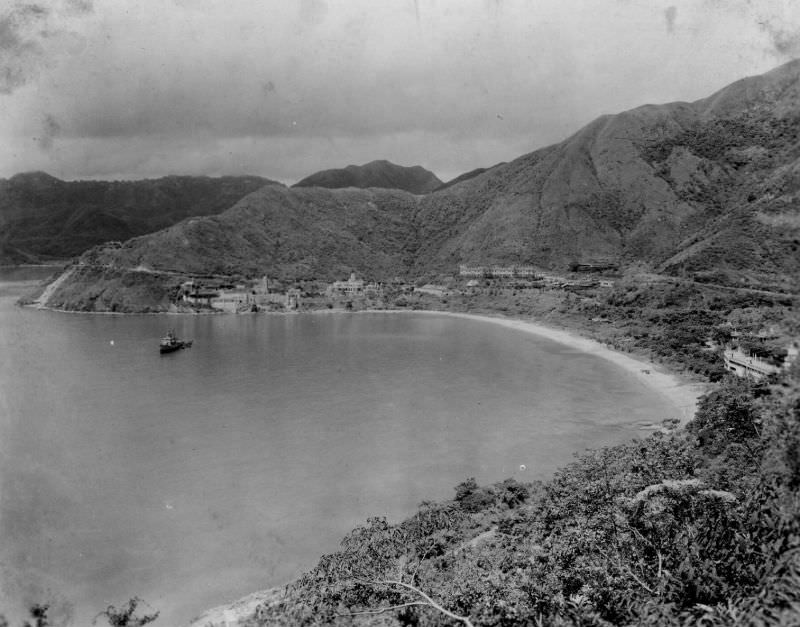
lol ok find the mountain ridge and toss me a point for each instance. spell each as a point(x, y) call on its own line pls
point(379, 173)
point(43, 217)
point(708, 190)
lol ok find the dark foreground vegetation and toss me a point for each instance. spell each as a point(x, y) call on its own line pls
point(691, 526)
point(128, 615)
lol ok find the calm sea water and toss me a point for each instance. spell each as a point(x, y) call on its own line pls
point(194, 478)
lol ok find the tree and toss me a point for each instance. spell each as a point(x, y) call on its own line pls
point(39, 615)
point(466, 488)
point(125, 616)
point(726, 416)
point(377, 571)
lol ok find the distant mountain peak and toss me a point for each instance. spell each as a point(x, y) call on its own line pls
point(35, 177)
point(379, 173)
point(467, 176)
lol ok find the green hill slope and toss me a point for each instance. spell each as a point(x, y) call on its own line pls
point(42, 217)
point(719, 175)
point(302, 233)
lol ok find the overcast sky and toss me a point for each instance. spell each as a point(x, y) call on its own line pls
point(280, 88)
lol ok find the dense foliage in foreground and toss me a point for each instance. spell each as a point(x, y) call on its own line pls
point(125, 616)
point(690, 526)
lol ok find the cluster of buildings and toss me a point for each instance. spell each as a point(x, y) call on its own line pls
point(532, 274)
point(354, 287)
point(544, 279)
point(749, 364)
point(260, 295)
point(497, 272)
point(529, 272)
point(240, 297)
point(554, 280)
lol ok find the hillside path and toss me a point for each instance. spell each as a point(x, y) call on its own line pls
point(41, 302)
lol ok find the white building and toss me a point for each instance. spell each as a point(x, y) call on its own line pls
point(502, 271)
point(293, 298)
point(351, 287)
point(524, 271)
point(233, 301)
point(475, 271)
point(744, 365)
point(497, 271)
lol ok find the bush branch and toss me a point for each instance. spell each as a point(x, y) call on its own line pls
point(428, 601)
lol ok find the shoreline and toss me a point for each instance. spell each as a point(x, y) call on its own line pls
point(681, 393)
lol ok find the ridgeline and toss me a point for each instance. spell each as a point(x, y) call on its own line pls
point(705, 191)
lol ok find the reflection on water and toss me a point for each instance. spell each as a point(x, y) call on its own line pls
point(193, 478)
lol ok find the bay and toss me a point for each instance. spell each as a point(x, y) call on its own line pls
point(193, 478)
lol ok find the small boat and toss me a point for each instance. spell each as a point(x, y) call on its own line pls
point(170, 343)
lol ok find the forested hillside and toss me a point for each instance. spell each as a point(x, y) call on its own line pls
point(43, 218)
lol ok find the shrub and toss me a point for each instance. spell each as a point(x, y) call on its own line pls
point(472, 498)
point(726, 416)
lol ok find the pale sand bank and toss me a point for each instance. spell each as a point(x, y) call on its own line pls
point(682, 394)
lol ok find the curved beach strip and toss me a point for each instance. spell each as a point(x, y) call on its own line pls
point(682, 394)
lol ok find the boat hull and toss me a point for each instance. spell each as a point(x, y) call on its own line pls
point(171, 348)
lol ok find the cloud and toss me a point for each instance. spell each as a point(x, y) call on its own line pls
point(785, 42)
point(49, 131)
point(25, 36)
point(670, 14)
point(361, 73)
point(80, 7)
point(778, 19)
point(313, 12)
point(20, 53)
point(186, 77)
